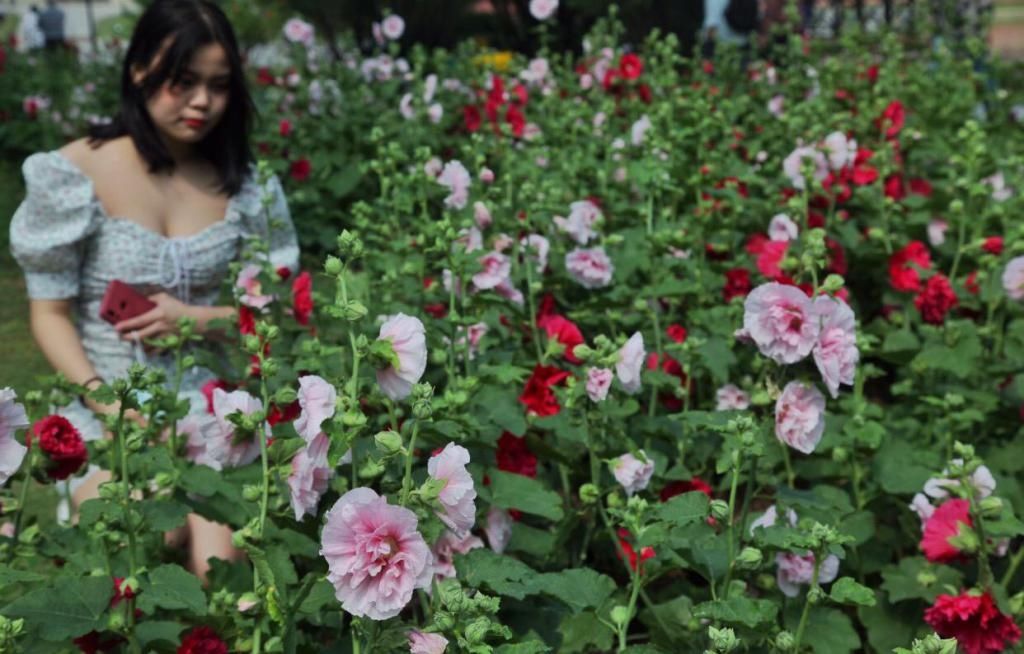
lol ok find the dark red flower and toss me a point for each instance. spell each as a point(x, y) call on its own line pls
point(935, 301)
point(246, 321)
point(284, 128)
point(679, 487)
point(892, 119)
point(672, 367)
point(919, 186)
point(301, 169)
point(209, 387)
point(631, 555)
point(944, 524)
point(516, 121)
point(202, 640)
point(561, 329)
point(971, 283)
point(974, 620)
point(283, 273)
point(836, 257)
point(676, 332)
point(630, 66)
point(437, 310)
point(93, 643)
point(737, 283)
point(863, 173)
point(471, 117)
point(302, 297)
point(287, 413)
point(264, 77)
point(904, 264)
point(61, 443)
point(645, 93)
point(537, 397)
point(894, 187)
point(514, 456)
point(993, 245)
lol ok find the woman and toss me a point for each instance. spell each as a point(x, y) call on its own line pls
point(162, 198)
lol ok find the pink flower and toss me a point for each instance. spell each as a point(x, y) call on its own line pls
point(252, 292)
point(496, 269)
point(945, 522)
point(316, 397)
point(12, 418)
point(1013, 278)
point(781, 228)
point(198, 449)
point(590, 268)
point(375, 556)
point(638, 129)
point(486, 175)
point(482, 215)
point(392, 27)
point(222, 443)
point(456, 179)
point(424, 643)
point(836, 353)
point(409, 342)
point(770, 517)
point(445, 549)
point(922, 507)
point(630, 363)
point(310, 476)
point(731, 398)
point(433, 167)
point(583, 215)
point(780, 320)
point(937, 232)
point(632, 473)
point(841, 151)
point(536, 248)
point(543, 9)
point(299, 31)
point(800, 416)
point(792, 166)
point(599, 380)
point(795, 570)
point(776, 105)
point(458, 495)
point(498, 529)
point(509, 292)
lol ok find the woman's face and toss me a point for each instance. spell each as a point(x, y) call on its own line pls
point(188, 110)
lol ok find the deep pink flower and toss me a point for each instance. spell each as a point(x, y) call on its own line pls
point(944, 523)
point(974, 620)
point(561, 329)
point(61, 444)
point(936, 300)
point(904, 264)
point(496, 269)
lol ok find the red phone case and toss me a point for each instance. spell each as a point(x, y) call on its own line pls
point(121, 302)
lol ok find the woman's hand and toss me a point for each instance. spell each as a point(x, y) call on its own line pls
point(161, 320)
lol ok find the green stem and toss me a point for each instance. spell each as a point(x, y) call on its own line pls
point(1014, 564)
point(790, 477)
point(407, 478)
point(734, 486)
point(807, 604)
point(264, 496)
point(126, 500)
point(634, 593)
point(533, 308)
point(22, 497)
point(652, 403)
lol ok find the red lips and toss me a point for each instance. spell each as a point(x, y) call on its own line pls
point(194, 123)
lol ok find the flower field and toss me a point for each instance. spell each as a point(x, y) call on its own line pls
point(609, 352)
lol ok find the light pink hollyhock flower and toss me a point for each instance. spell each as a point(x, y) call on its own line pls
point(922, 507)
point(498, 529)
point(316, 397)
point(405, 107)
point(12, 418)
point(429, 87)
point(543, 9)
point(836, 353)
point(599, 380)
point(252, 293)
point(981, 480)
point(456, 179)
point(634, 474)
point(503, 242)
point(780, 320)
point(631, 362)
point(770, 517)
point(795, 570)
point(731, 398)
point(482, 215)
point(435, 113)
point(199, 449)
point(496, 269)
point(7, 530)
point(792, 164)
point(800, 416)
point(458, 495)
point(445, 549)
point(222, 441)
point(510, 292)
point(583, 216)
point(246, 603)
point(776, 105)
point(299, 31)
point(375, 556)
point(937, 232)
point(841, 151)
point(470, 239)
point(486, 175)
point(1000, 191)
point(409, 342)
point(310, 475)
point(433, 167)
point(590, 268)
point(423, 643)
point(536, 248)
point(1013, 278)
point(392, 27)
point(638, 129)
point(470, 337)
point(781, 228)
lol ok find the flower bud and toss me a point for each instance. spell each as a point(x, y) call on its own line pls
point(620, 615)
point(614, 500)
point(816, 595)
point(476, 631)
point(388, 442)
point(247, 601)
point(991, 506)
point(719, 509)
point(583, 351)
point(444, 621)
point(723, 640)
point(163, 479)
point(589, 493)
point(785, 641)
point(333, 265)
point(115, 622)
point(251, 343)
point(840, 454)
point(749, 558)
point(251, 493)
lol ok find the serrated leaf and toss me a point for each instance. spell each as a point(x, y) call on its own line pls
point(684, 509)
point(172, 587)
point(580, 588)
point(163, 515)
point(738, 610)
point(529, 647)
point(916, 578)
point(846, 590)
point(150, 631)
point(70, 608)
point(512, 491)
point(583, 632)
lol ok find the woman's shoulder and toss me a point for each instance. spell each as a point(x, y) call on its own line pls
point(91, 156)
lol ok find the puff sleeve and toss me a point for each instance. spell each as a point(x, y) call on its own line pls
point(50, 229)
point(273, 224)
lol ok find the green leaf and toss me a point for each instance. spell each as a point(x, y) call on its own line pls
point(322, 595)
point(916, 578)
point(684, 509)
point(582, 632)
point(150, 631)
point(502, 574)
point(580, 588)
point(11, 576)
point(902, 468)
point(529, 647)
point(172, 587)
point(499, 406)
point(889, 626)
point(531, 540)
point(71, 607)
point(847, 591)
point(717, 357)
point(512, 491)
point(959, 360)
point(738, 610)
point(163, 515)
point(829, 631)
point(859, 525)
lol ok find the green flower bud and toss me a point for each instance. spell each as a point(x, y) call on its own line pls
point(188, 361)
point(614, 500)
point(388, 442)
point(719, 509)
point(589, 493)
point(251, 343)
point(833, 283)
point(816, 595)
point(115, 622)
point(476, 631)
point(785, 641)
point(285, 395)
point(749, 558)
point(135, 442)
point(840, 454)
point(269, 368)
point(353, 418)
point(723, 640)
point(431, 488)
point(333, 266)
point(583, 351)
point(251, 493)
point(620, 615)
point(444, 621)
point(991, 506)
point(101, 446)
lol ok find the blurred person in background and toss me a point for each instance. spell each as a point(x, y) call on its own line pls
point(729, 22)
point(51, 22)
point(29, 34)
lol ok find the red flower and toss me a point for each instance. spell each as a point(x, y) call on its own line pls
point(902, 275)
point(894, 187)
point(563, 330)
point(284, 128)
point(202, 640)
point(264, 77)
point(974, 620)
point(209, 387)
point(892, 119)
point(836, 257)
point(679, 487)
point(737, 283)
point(283, 273)
point(630, 66)
point(670, 367)
point(645, 93)
point(538, 397)
point(437, 309)
point(514, 456)
point(993, 245)
point(91, 643)
point(471, 117)
point(971, 283)
point(246, 321)
point(627, 547)
point(935, 301)
point(287, 413)
point(771, 257)
point(301, 169)
point(62, 445)
point(919, 186)
point(515, 119)
point(676, 332)
point(302, 297)
point(863, 174)
point(943, 524)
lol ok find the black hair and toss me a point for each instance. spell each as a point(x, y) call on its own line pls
point(176, 29)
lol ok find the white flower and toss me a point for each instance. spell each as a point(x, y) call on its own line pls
point(781, 228)
point(841, 151)
point(631, 362)
point(299, 31)
point(634, 474)
point(639, 128)
point(456, 179)
point(792, 166)
point(583, 216)
point(543, 9)
point(12, 418)
point(393, 27)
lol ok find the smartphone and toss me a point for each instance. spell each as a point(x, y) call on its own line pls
point(121, 302)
